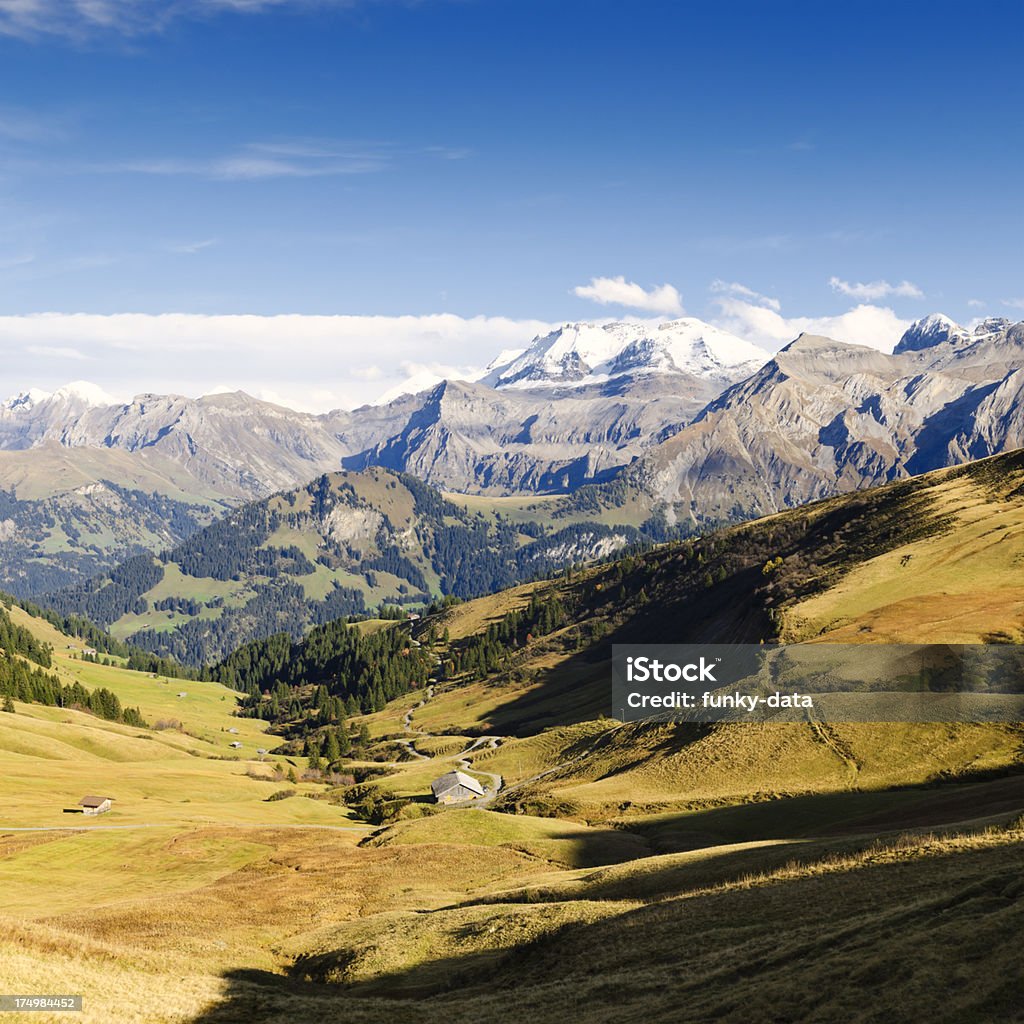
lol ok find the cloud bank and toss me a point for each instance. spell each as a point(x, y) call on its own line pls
point(314, 363)
point(875, 326)
point(617, 291)
point(876, 289)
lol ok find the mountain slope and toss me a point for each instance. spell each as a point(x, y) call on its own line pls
point(340, 546)
point(932, 559)
point(67, 514)
point(471, 438)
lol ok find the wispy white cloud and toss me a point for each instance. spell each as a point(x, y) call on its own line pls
point(720, 287)
point(259, 160)
point(10, 262)
point(875, 326)
point(1014, 303)
point(307, 362)
point(874, 290)
point(191, 248)
point(304, 158)
point(617, 291)
point(976, 303)
point(82, 19)
point(26, 126)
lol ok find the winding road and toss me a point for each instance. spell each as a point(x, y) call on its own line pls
point(462, 760)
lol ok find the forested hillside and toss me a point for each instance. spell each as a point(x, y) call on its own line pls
point(24, 676)
point(47, 541)
point(347, 544)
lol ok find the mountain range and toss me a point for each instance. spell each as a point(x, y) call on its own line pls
point(622, 423)
point(575, 407)
point(344, 545)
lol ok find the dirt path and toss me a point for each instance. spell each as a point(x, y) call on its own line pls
point(409, 744)
point(466, 764)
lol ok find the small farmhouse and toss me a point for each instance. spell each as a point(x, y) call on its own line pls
point(235, 744)
point(95, 804)
point(455, 787)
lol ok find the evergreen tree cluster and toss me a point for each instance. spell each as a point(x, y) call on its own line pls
point(181, 605)
point(335, 671)
point(276, 608)
point(31, 685)
point(16, 639)
point(393, 561)
point(222, 551)
point(104, 599)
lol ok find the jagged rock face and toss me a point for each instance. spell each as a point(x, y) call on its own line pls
point(824, 417)
point(469, 437)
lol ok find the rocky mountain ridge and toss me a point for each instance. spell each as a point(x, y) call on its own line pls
point(823, 417)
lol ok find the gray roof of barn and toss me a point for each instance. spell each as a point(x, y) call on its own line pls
point(453, 779)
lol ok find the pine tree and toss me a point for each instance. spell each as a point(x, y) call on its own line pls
point(8, 705)
point(344, 743)
point(332, 752)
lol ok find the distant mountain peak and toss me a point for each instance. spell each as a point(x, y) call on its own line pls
point(84, 392)
point(929, 331)
point(991, 325)
point(25, 400)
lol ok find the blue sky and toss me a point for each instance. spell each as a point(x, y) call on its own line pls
point(489, 158)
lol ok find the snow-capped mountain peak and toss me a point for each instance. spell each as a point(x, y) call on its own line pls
point(25, 400)
point(584, 353)
point(991, 325)
point(939, 329)
point(929, 331)
point(84, 393)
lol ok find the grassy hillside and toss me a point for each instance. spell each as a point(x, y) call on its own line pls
point(180, 769)
point(622, 872)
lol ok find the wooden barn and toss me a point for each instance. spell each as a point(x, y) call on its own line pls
point(456, 787)
point(95, 804)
